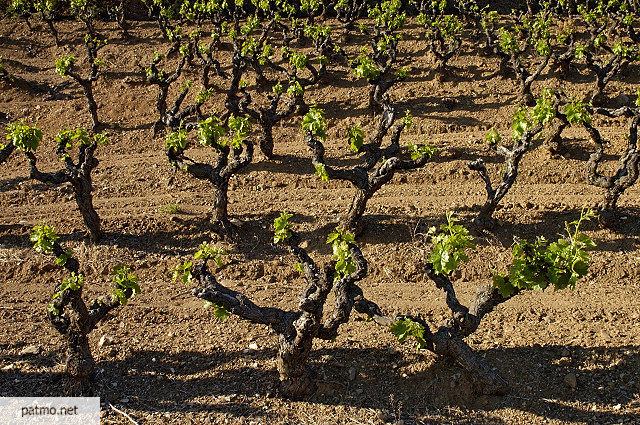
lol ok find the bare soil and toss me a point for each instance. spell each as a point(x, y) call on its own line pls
point(172, 362)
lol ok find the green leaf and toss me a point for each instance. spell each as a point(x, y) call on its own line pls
point(418, 152)
point(119, 293)
point(504, 287)
point(544, 111)
point(123, 281)
point(220, 312)
point(520, 123)
point(537, 265)
point(209, 251)
point(356, 138)
point(210, 132)
point(295, 88)
point(43, 237)
point(315, 123)
point(493, 137)
point(176, 140)
point(321, 171)
point(282, 227)
point(405, 328)
point(77, 136)
point(24, 137)
point(241, 127)
point(340, 241)
point(73, 283)
point(576, 112)
point(449, 246)
point(183, 272)
point(366, 68)
point(51, 309)
point(64, 64)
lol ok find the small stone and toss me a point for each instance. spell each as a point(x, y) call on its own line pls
point(304, 244)
point(617, 407)
point(571, 380)
point(106, 340)
point(564, 361)
point(124, 400)
point(565, 352)
point(253, 346)
point(384, 417)
point(30, 350)
point(352, 373)
point(359, 391)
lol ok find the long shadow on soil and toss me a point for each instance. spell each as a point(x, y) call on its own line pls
point(157, 381)
point(551, 225)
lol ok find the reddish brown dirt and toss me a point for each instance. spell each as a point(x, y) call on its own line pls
point(173, 363)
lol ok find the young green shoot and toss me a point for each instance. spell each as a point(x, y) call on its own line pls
point(449, 246)
point(340, 241)
point(124, 281)
point(282, 227)
point(24, 137)
point(536, 265)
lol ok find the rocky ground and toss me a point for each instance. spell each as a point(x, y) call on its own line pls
point(571, 357)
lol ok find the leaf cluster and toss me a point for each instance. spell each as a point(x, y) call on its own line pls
point(576, 112)
point(219, 312)
point(405, 328)
point(282, 227)
point(418, 151)
point(80, 137)
point(315, 123)
point(124, 281)
point(43, 238)
point(208, 251)
point(449, 246)
point(355, 136)
point(64, 64)
point(184, 273)
point(241, 127)
point(24, 137)
point(340, 241)
point(210, 132)
point(366, 68)
point(538, 264)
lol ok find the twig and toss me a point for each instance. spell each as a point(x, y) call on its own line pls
point(123, 413)
point(518, 397)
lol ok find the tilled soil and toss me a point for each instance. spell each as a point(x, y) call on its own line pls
point(571, 357)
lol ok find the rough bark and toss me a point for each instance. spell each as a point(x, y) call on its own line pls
point(604, 72)
point(370, 175)
point(74, 322)
point(228, 161)
point(163, 80)
point(512, 159)
point(297, 329)
point(6, 151)
point(269, 116)
point(79, 176)
point(627, 173)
